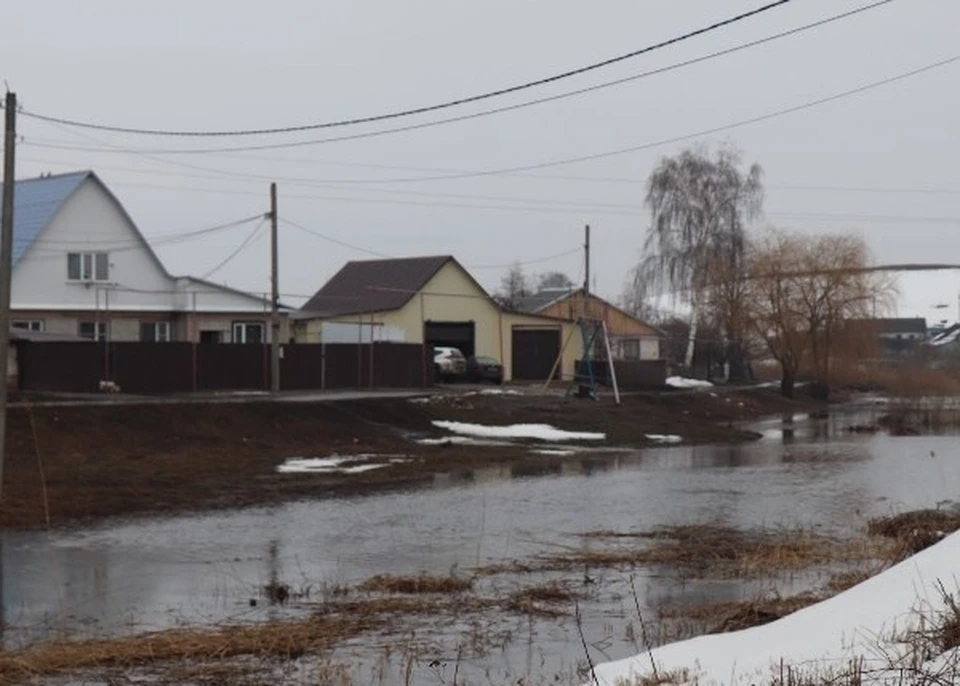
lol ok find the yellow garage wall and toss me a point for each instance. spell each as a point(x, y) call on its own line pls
point(453, 296)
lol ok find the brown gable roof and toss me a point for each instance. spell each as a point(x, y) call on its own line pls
point(374, 285)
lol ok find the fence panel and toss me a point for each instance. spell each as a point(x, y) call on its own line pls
point(632, 375)
point(152, 367)
point(233, 366)
point(73, 367)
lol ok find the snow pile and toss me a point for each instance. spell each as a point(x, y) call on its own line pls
point(664, 438)
point(867, 622)
point(682, 382)
point(334, 464)
point(540, 432)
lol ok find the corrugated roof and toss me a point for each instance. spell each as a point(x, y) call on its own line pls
point(35, 202)
point(374, 285)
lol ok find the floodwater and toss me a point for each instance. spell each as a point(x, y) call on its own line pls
point(142, 575)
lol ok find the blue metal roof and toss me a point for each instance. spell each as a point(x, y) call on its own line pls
point(36, 202)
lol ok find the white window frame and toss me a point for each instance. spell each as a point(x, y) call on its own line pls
point(161, 331)
point(28, 324)
point(240, 331)
point(101, 332)
point(92, 266)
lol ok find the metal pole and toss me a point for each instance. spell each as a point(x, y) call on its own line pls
point(586, 257)
point(6, 263)
point(275, 295)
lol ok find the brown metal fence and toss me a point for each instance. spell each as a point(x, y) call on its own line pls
point(632, 375)
point(183, 367)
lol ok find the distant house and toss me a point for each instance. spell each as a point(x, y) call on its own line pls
point(82, 268)
point(895, 337)
point(630, 338)
point(434, 301)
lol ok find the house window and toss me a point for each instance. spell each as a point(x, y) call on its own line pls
point(88, 266)
point(211, 336)
point(95, 331)
point(155, 332)
point(28, 324)
point(248, 332)
point(630, 349)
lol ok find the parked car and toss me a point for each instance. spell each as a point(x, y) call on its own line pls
point(449, 364)
point(484, 369)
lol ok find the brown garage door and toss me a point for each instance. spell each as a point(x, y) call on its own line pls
point(535, 351)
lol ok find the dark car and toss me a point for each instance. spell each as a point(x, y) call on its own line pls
point(484, 369)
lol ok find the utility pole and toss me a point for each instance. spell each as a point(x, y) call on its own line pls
point(6, 262)
point(586, 258)
point(275, 295)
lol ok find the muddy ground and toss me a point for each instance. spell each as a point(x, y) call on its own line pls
point(69, 464)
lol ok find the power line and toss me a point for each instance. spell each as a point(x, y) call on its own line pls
point(524, 263)
point(333, 240)
point(474, 115)
point(416, 110)
point(646, 146)
point(251, 237)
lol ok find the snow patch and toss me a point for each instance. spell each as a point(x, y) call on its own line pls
point(461, 440)
point(682, 382)
point(548, 452)
point(333, 464)
point(862, 623)
point(540, 432)
point(494, 391)
point(664, 438)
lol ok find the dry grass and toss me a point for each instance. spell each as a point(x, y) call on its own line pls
point(844, 581)
point(411, 585)
point(282, 639)
point(737, 615)
point(699, 550)
point(542, 599)
point(914, 531)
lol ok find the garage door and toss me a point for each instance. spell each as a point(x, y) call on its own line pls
point(459, 335)
point(535, 351)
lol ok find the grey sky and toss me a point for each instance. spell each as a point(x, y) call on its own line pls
point(242, 64)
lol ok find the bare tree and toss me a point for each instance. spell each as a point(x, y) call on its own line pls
point(554, 280)
point(514, 286)
point(805, 291)
point(700, 203)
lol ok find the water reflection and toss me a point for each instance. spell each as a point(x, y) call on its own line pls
point(158, 573)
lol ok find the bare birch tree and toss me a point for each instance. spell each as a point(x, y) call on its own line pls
point(700, 203)
point(513, 287)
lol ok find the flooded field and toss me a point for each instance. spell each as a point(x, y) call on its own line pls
point(494, 526)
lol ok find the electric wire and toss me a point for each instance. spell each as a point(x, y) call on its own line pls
point(415, 110)
point(465, 117)
point(248, 241)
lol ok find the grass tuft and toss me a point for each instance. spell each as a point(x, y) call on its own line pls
point(412, 585)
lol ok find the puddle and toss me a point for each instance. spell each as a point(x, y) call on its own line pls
point(145, 575)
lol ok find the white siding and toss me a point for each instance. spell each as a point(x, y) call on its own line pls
point(339, 332)
point(198, 296)
point(90, 220)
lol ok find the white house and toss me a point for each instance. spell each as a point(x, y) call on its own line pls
point(82, 267)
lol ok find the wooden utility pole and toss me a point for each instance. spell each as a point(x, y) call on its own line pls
point(586, 259)
point(275, 295)
point(6, 263)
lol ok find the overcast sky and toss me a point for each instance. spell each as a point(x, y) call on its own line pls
point(239, 64)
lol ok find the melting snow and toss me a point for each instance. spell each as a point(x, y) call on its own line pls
point(664, 438)
point(682, 382)
point(333, 464)
point(553, 453)
point(460, 440)
point(541, 432)
point(861, 623)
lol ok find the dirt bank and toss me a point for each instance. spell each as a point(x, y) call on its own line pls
point(67, 464)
